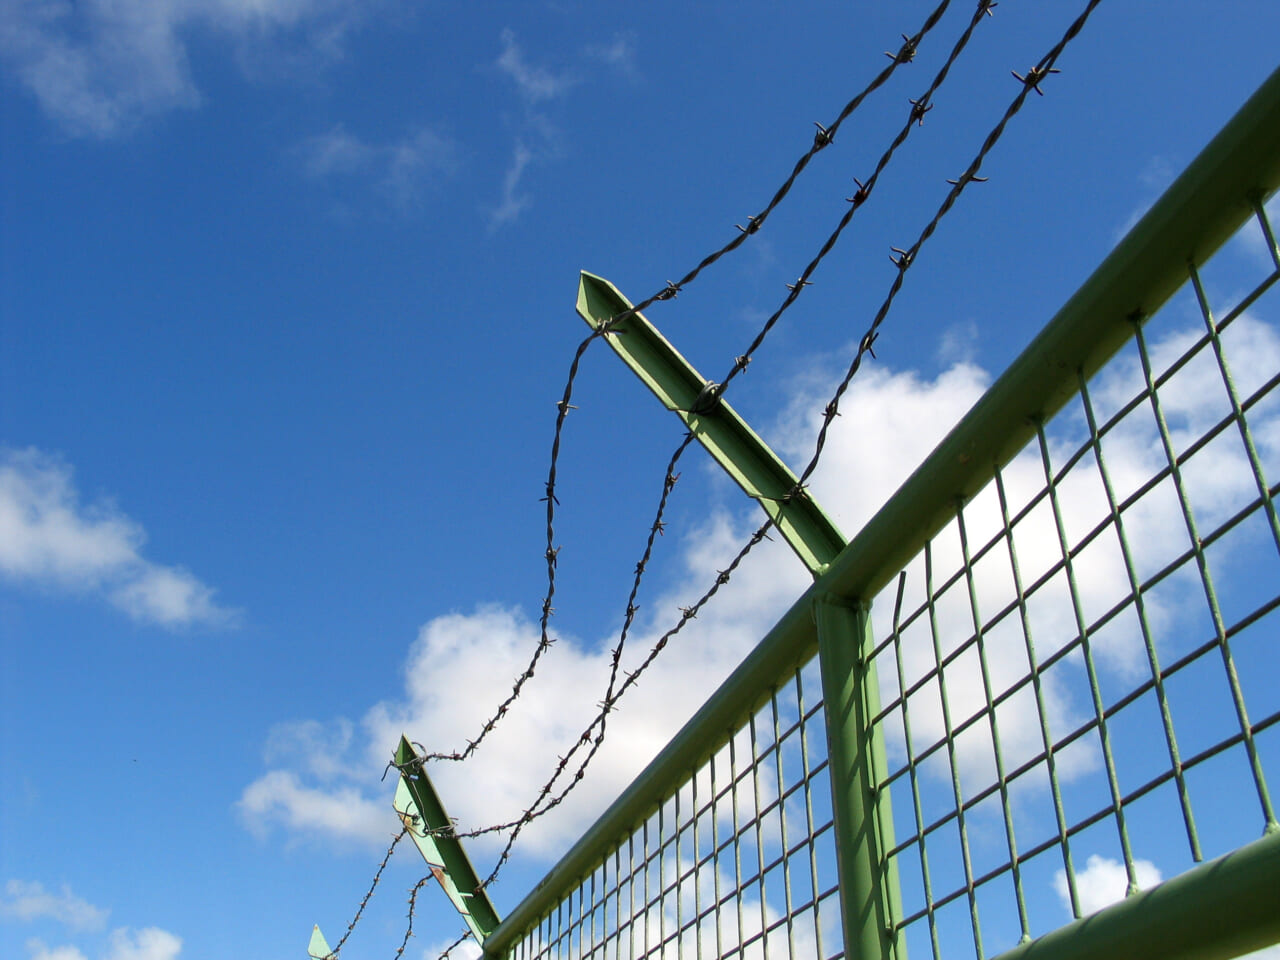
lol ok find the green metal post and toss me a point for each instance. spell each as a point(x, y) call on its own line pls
point(869, 890)
point(429, 825)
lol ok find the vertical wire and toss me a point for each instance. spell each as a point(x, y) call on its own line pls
point(647, 908)
point(989, 693)
point(715, 854)
point(808, 813)
point(631, 896)
point(1246, 435)
point(1211, 597)
point(614, 930)
point(1265, 222)
point(951, 749)
point(559, 939)
point(782, 827)
point(759, 832)
point(917, 806)
point(737, 837)
point(662, 878)
point(1148, 639)
point(679, 878)
point(1091, 669)
point(697, 871)
point(1037, 687)
point(591, 936)
point(580, 923)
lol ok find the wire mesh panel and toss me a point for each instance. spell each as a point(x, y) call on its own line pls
point(1075, 650)
point(1077, 672)
point(739, 862)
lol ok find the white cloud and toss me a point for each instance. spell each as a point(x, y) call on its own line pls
point(48, 538)
point(467, 950)
point(29, 900)
point(149, 943)
point(281, 798)
point(41, 951)
point(98, 67)
point(1103, 882)
point(461, 663)
point(402, 170)
point(534, 83)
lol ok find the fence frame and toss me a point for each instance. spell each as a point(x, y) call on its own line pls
point(1183, 918)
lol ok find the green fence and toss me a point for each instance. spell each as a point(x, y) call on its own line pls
point(1049, 656)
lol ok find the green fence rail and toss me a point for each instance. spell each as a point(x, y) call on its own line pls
point(1071, 607)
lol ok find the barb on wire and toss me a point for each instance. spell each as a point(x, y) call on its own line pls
point(466, 935)
point(413, 906)
point(906, 257)
point(364, 902)
point(632, 678)
point(919, 106)
point(824, 136)
point(831, 410)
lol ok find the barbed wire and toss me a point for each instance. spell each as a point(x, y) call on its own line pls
point(413, 906)
point(824, 136)
point(595, 733)
point(903, 259)
point(364, 902)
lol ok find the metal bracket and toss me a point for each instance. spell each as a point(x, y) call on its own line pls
point(697, 401)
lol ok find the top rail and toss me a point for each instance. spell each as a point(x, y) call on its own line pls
point(1192, 219)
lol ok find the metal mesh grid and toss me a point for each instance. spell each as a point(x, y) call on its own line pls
point(1073, 675)
point(739, 863)
point(1074, 671)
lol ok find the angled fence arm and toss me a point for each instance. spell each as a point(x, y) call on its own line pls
point(717, 426)
point(424, 816)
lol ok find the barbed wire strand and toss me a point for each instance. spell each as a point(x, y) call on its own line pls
point(823, 138)
point(413, 906)
point(466, 935)
point(364, 902)
point(919, 107)
point(904, 260)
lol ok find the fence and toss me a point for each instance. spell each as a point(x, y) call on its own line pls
point(1067, 672)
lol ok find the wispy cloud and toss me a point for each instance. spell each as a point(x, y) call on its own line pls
point(513, 202)
point(619, 55)
point(535, 83)
point(28, 900)
point(37, 949)
point(50, 539)
point(403, 171)
point(99, 67)
point(537, 136)
point(149, 943)
point(1155, 177)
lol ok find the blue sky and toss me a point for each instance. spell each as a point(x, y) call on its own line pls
point(286, 302)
